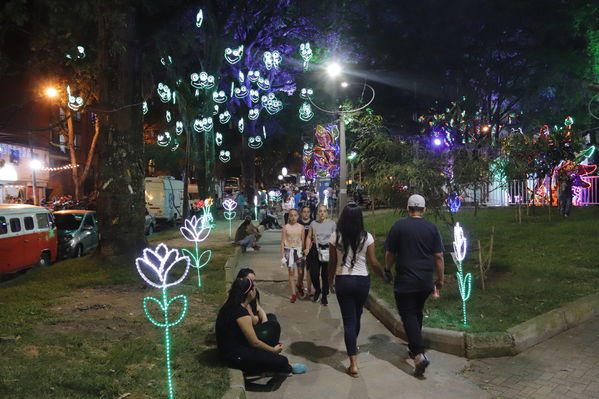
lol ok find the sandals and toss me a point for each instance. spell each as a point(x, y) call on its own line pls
point(353, 374)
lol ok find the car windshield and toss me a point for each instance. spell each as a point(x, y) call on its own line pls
point(68, 221)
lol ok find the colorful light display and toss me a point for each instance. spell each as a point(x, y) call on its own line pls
point(263, 83)
point(241, 92)
point(254, 95)
point(75, 102)
point(164, 92)
point(253, 76)
point(454, 201)
point(272, 59)
point(321, 159)
point(306, 54)
point(163, 139)
point(253, 114)
point(230, 204)
point(306, 93)
point(255, 142)
point(197, 230)
point(202, 81)
point(219, 97)
point(224, 156)
point(305, 112)
point(464, 281)
point(225, 117)
point(154, 267)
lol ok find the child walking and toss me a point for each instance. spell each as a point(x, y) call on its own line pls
point(292, 242)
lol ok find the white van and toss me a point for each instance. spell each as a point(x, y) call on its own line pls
point(164, 198)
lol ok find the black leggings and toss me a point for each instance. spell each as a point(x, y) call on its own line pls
point(269, 332)
point(410, 306)
point(318, 270)
point(255, 361)
point(352, 292)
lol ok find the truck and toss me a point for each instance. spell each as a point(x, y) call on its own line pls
point(164, 198)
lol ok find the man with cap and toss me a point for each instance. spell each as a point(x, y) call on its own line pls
point(414, 245)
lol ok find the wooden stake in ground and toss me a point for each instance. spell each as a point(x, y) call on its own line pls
point(491, 241)
point(480, 265)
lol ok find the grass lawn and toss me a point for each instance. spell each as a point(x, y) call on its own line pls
point(537, 266)
point(76, 329)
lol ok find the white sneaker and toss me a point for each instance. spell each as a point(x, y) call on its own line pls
point(249, 249)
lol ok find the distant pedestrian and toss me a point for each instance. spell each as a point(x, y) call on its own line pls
point(414, 245)
point(349, 247)
point(565, 195)
point(292, 244)
point(317, 250)
point(303, 270)
point(288, 204)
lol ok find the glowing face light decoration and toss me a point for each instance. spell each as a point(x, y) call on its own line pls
point(167, 60)
point(224, 117)
point(267, 59)
point(75, 102)
point(464, 281)
point(263, 83)
point(305, 112)
point(218, 139)
point(254, 113)
point(175, 145)
point(163, 139)
point(306, 93)
point(144, 107)
point(80, 54)
point(241, 125)
point(253, 76)
point(168, 116)
point(154, 267)
point(198, 126)
point(178, 127)
point(256, 207)
point(197, 230)
point(219, 97)
point(224, 156)
point(164, 92)
point(199, 18)
point(454, 201)
point(208, 124)
point(202, 81)
point(241, 92)
point(254, 95)
point(306, 53)
point(233, 56)
point(241, 77)
point(255, 142)
point(271, 103)
point(230, 204)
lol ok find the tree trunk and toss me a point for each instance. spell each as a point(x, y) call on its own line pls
point(248, 172)
point(72, 154)
point(121, 173)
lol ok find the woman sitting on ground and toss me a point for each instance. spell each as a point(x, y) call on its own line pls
point(237, 342)
point(266, 326)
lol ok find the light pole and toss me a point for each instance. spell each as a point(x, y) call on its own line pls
point(335, 70)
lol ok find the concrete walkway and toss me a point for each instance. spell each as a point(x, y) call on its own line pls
point(313, 335)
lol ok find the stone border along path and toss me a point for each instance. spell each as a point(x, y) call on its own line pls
point(313, 335)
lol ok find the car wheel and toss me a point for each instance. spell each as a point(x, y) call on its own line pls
point(44, 259)
point(78, 251)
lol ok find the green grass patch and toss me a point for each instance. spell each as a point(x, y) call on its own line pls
point(537, 266)
point(76, 329)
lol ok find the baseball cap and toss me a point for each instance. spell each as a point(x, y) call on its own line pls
point(416, 201)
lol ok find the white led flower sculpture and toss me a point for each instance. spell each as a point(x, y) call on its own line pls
point(464, 281)
point(459, 243)
point(157, 268)
point(197, 230)
point(230, 204)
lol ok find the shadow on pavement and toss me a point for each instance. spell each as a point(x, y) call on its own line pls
point(273, 384)
point(319, 354)
point(381, 347)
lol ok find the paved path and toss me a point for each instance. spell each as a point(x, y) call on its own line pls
point(313, 334)
point(565, 366)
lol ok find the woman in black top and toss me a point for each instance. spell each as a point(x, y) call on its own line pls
point(237, 342)
point(266, 326)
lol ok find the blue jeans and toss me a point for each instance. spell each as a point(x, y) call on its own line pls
point(565, 203)
point(351, 292)
point(248, 241)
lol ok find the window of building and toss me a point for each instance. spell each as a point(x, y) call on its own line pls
point(15, 225)
point(28, 223)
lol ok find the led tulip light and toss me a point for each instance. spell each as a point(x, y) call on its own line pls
point(464, 281)
point(230, 204)
point(207, 212)
point(197, 230)
point(154, 267)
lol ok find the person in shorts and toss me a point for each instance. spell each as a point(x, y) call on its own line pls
point(292, 243)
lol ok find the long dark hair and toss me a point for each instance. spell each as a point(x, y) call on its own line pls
point(350, 231)
point(244, 273)
point(239, 291)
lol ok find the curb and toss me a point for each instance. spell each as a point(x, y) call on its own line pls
point(492, 344)
point(236, 382)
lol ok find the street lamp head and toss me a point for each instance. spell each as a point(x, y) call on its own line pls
point(51, 92)
point(35, 164)
point(284, 171)
point(344, 84)
point(334, 70)
point(280, 177)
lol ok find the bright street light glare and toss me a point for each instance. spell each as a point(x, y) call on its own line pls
point(334, 69)
point(284, 171)
point(280, 177)
point(344, 84)
point(35, 164)
point(51, 92)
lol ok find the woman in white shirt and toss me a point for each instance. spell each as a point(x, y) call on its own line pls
point(349, 248)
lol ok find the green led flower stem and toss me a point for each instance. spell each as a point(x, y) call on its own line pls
point(465, 287)
point(197, 258)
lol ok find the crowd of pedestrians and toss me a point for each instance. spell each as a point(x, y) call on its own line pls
point(321, 254)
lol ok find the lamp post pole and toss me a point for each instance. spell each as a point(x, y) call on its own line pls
point(342, 200)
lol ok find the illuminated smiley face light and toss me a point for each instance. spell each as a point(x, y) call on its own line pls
point(224, 117)
point(163, 139)
point(254, 113)
point(218, 139)
point(255, 142)
point(254, 76)
point(164, 92)
point(233, 56)
point(144, 107)
point(305, 112)
point(178, 127)
point(175, 145)
point(215, 111)
point(199, 18)
point(224, 156)
point(306, 53)
point(198, 126)
point(219, 97)
point(241, 77)
point(306, 93)
point(208, 124)
point(267, 59)
point(240, 125)
point(241, 92)
point(79, 55)
point(75, 102)
point(263, 83)
point(277, 58)
point(254, 95)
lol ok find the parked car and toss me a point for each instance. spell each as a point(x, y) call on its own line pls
point(27, 237)
point(77, 232)
point(164, 197)
point(149, 223)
